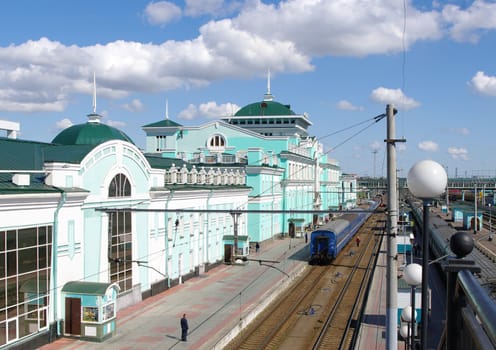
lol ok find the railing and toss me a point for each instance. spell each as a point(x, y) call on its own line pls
point(475, 316)
point(214, 176)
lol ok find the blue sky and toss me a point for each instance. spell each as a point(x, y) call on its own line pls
point(340, 61)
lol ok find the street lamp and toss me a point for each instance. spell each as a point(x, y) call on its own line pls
point(426, 180)
point(413, 277)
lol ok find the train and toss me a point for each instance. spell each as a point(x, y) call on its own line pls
point(328, 240)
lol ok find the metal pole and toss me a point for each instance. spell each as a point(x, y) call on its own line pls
point(425, 275)
point(451, 331)
point(413, 320)
point(490, 222)
point(391, 273)
point(475, 211)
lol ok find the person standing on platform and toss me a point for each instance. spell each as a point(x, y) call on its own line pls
point(306, 238)
point(257, 247)
point(358, 241)
point(184, 327)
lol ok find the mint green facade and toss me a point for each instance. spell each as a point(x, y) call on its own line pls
point(285, 167)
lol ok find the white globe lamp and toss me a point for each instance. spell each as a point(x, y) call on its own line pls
point(412, 274)
point(406, 314)
point(427, 179)
point(404, 330)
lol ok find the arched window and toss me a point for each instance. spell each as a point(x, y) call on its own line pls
point(120, 248)
point(119, 186)
point(216, 143)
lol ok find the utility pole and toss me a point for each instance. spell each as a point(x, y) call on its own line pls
point(392, 250)
point(375, 154)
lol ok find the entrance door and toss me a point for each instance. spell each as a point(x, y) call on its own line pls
point(228, 253)
point(73, 316)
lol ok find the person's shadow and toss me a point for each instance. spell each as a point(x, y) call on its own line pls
point(173, 337)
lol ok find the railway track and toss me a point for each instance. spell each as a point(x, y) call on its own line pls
point(319, 310)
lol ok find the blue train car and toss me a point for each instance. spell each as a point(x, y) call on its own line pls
point(327, 241)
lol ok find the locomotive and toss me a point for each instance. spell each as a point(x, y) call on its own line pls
point(327, 241)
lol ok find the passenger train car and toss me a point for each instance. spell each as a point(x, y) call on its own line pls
point(327, 241)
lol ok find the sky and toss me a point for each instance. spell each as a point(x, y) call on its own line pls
point(340, 61)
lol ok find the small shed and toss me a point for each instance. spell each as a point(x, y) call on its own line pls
point(469, 220)
point(90, 309)
point(457, 214)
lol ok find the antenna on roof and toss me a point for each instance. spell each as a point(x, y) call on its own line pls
point(166, 109)
point(268, 96)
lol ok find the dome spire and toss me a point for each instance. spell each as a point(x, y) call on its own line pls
point(94, 117)
point(94, 93)
point(268, 96)
point(166, 109)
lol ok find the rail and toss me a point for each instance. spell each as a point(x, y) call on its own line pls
point(475, 312)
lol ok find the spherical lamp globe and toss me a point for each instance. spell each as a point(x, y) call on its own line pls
point(406, 314)
point(404, 331)
point(427, 179)
point(412, 274)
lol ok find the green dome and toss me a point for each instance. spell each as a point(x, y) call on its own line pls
point(265, 108)
point(90, 133)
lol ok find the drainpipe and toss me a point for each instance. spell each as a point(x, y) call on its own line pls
point(63, 199)
point(166, 221)
point(206, 226)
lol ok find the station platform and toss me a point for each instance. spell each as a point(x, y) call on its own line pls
point(217, 304)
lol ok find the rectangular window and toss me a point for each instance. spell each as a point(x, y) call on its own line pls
point(11, 240)
point(24, 279)
point(160, 143)
point(2, 241)
point(120, 249)
point(90, 314)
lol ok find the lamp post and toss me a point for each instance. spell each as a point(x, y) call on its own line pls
point(426, 180)
point(490, 223)
point(413, 277)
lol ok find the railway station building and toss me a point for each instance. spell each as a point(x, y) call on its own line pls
point(91, 224)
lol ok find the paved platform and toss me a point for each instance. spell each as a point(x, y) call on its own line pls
point(217, 304)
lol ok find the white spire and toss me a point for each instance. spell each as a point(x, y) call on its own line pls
point(268, 96)
point(268, 81)
point(94, 117)
point(94, 93)
point(166, 109)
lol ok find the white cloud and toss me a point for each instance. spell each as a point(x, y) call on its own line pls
point(484, 84)
point(63, 124)
point(190, 113)
point(134, 106)
point(341, 27)
point(428, 146)
point(348, 106)
point(162, 12)
point(116, 124)
point(209, 110)
point(468, 24)
point(394, 96)
point(458, 153)
point(41, 75)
